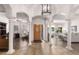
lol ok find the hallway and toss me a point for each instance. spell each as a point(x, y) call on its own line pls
point(44, 48)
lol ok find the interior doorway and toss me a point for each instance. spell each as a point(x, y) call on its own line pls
point(38, 32)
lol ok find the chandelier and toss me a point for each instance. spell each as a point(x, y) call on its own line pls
point(46, 9)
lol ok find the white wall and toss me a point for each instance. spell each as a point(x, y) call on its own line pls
point(75, 22)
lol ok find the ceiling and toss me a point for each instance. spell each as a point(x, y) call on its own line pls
point(60, 11)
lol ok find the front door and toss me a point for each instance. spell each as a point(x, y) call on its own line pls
point(37, 32)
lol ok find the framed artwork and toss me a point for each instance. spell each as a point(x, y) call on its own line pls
point(74, 28)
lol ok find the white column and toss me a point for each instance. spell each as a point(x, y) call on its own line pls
point(20, 31)
point(69, 35)
point(50, 31)
point(11, 31)
point(53, 41)
point(55, 34)
point(46, 30)
point(30, 33)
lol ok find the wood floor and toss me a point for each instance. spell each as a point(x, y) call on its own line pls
point(44, 48)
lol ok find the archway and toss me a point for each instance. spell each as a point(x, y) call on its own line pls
point(23, 29)
point(39, 28)
point(59, 30)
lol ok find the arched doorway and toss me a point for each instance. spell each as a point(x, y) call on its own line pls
point(38, 23)
point(23, 31)
point(59, 30)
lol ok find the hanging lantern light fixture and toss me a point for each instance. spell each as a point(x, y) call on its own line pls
point(46, 9)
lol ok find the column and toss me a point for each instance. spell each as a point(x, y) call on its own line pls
point(50, 29)
point(46, 30)
point(43, 33)
point(54, 38)
point(69, 35)
point(30, 33)
point(20, 31)
point(11, 30)
point(55, 34)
